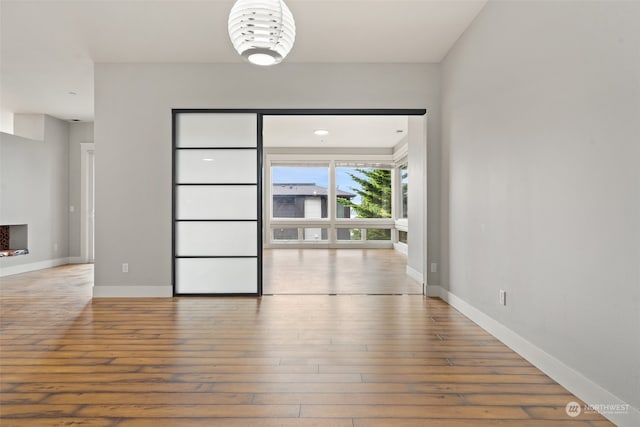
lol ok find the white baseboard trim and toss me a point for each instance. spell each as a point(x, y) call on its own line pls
point(132, 291)
point(415, 274)
point(77, 260)
point(401, 247)
point(32, 266)
point(435, 292)
point(575, 382)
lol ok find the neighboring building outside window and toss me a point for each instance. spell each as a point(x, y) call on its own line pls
point(305, 200)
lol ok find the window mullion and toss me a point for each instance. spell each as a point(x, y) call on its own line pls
point(396, 203)
point(267, 213)
point(332, 201)
point(395, 184)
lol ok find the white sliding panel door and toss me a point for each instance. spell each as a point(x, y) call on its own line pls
point(216, 203)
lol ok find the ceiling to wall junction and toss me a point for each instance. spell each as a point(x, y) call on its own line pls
point(48, 48)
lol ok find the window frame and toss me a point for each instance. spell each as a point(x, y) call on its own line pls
point(331, 223)
point(401, 158)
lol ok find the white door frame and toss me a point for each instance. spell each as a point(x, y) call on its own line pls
point(87, 200)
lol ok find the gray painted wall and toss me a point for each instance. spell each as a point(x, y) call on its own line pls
point(79, 133)
point(541, 180)
point(416, 217)
point(133, 139)
point(34, 179)
point(434, 188)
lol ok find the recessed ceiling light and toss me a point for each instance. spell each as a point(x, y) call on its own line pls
point(321, 132)
point(75, 120)
point(72, 93)
point(207, 160)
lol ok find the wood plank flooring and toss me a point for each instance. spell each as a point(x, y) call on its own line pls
point(337, 271)
point(287, 360)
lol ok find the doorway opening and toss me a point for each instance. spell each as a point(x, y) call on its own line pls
point(349, 197)
point(87, 202)
point(336, 204)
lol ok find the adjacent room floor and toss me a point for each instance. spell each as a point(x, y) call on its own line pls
point(285, 360)
point(337, 272)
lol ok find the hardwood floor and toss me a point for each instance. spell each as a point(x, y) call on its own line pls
point(288, 360)
point(337, 271)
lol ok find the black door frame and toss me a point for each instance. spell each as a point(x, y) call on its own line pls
point(260, 113)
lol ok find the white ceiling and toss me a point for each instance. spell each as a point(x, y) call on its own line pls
point(48, 47)
point(344, 131)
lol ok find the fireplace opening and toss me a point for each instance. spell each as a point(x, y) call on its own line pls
point(14, 240)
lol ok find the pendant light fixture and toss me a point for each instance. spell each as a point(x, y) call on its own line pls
point(262, 31)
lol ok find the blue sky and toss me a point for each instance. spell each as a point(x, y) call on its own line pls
point(318, 176)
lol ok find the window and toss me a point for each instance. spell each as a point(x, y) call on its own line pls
point(317, 234)
point(285, 234)
point(363, 190)
point(364, 234)
point(300, 191)
point(378, 234)
point(334, 201)
point(404, 186)
point(349, 234)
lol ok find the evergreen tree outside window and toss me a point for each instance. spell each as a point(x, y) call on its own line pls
point(372, 187)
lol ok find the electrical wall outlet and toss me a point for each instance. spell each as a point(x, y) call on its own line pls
point(503, 297)
point(125, 267)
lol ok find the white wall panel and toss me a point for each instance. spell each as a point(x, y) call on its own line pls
point(216, 238)
point(216, 202)
point(216, 275)
point(216, 166)
point(216, 130)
